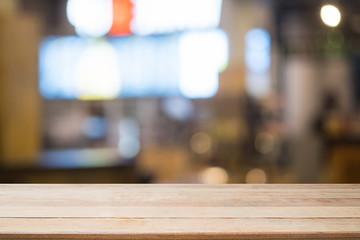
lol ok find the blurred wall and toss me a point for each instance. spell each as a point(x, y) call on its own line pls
point(19, 103)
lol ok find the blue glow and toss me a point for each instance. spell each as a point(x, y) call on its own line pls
point(72, 67)
point(129, 142)
point(149, 65)
point(257, 39)
point(77, 158)
point(178, 108)
point(258, 60)
point(257, 50)
point(94, 127)
point(58, 58)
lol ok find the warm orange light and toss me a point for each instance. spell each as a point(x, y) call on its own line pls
point(122, 16)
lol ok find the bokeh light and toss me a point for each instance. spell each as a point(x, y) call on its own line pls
point(257, 60)
point(97, 72)
point(90, 17)
point(129, 146)
point(200, 62)
point(256, 176)
point(330, 15)
point(257, 50)
point(164, 16)
point(129, 142)
point(214, 175)
point(200, 142)
point(178, 108)
point(57, 60)
point(264, 142)
point(129, 126)
point(94, 127)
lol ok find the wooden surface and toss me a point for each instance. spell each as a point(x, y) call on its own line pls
point(180, 211)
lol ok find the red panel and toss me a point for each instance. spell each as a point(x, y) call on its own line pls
point(122, 16)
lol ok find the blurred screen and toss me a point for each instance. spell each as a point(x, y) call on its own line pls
point(184, 64)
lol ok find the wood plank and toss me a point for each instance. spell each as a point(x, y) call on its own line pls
point(110, 211)
point(213, 202)
point(181, 212)
point(138, 228)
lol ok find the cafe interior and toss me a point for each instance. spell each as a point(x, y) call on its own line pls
point(179, 91)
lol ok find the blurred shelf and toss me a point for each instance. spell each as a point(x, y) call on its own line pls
point(83, 158)
point(114, 174)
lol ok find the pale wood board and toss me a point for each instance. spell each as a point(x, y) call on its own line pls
point(156, 211)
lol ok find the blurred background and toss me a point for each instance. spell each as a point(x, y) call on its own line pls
point(179, 91)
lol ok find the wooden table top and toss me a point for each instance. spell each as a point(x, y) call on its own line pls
point(111, 211)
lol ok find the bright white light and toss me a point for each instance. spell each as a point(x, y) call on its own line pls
point(164, 16)
point(330, 15)
point(97, 72)
point(90, 17)
point(202, 55)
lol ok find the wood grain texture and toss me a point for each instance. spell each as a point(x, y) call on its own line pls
point(111, 211)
